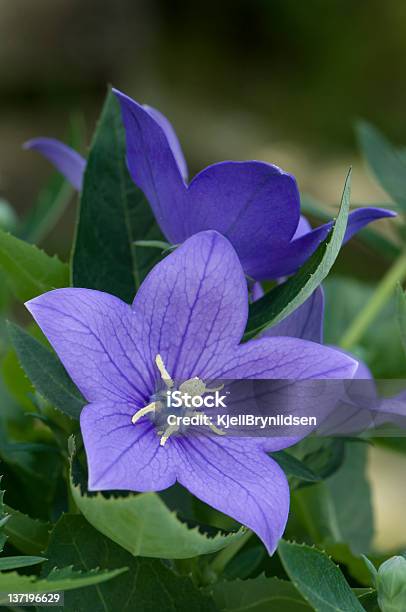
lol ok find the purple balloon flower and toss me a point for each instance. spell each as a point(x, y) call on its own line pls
point(185, 324)
point(254, 204)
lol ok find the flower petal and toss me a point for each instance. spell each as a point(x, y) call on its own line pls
point(239, 480)
point(154, 168)
point(64, 158)
point(254, 204)
point(96, 336)
point(287, 259)
point(303, 227)
point(257, 291)
point(283, 358)
point(194, 305)
point(171, 137)
point(306, 322)
point(124, 456)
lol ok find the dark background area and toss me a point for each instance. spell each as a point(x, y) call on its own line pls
point(280, 80)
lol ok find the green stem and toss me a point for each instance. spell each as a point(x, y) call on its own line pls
point(224, 556)
point(354, 333)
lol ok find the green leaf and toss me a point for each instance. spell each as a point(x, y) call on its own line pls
point(28, 535)
point(323, 456)
point(7, 563)
point(113, 215)
point(144, 525)
point(4, 517)
point(339, 509)
point(261, 594)
point(285, 298)
point(46, 373)
point(245, 563)
point(51, 204)
point(371, 569)
point(28, 270)
point(64, 579)
point(344, 299)
point(350, 493)
point(386, 163)
point(317, 578)
point(342, 554)
point(15, 378)
point(8, 217)
point(401, 313)
point(294, 467)
point(31, 468)
point(148, 585)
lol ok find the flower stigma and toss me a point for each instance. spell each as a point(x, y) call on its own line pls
point(192, 388)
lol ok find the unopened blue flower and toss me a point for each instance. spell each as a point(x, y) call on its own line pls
point(254, 204)
point(185, 325)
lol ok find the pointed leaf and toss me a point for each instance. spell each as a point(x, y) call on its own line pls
point(294, 467)
point(28, 270)
point(401, 313)
point(340, 507)
point(7, 563)
point(4, 518)
point(46, 373)
point(317, 578)
point(386, 163)
point(144, 525)
point(63, 579)
point(51, 204)
point(28, 535)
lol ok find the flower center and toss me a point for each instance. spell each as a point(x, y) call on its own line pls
point(158, 409)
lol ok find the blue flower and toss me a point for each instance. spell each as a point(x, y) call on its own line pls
point(184, 327)
point(254, 204)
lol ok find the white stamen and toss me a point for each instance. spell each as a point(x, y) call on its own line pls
point(143, 411)
point(168, 432)
point(163, 372)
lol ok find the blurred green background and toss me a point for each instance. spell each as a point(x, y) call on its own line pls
point(278, 80)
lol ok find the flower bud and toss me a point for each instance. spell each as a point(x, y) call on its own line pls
point(391, 584)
